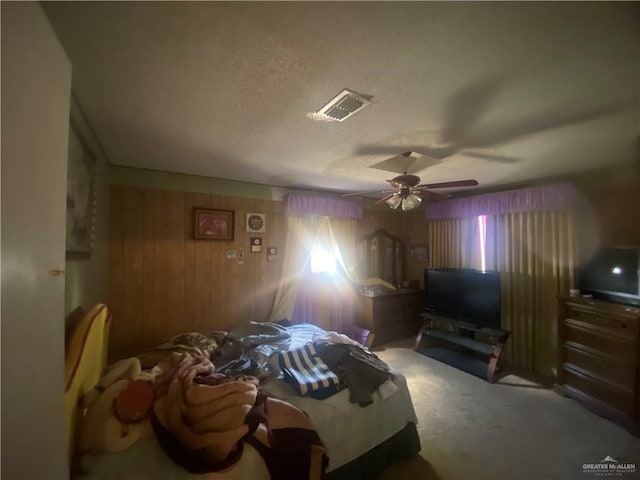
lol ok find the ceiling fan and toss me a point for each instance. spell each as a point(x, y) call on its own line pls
point(407, 192)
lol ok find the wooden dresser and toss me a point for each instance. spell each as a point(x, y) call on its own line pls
point(390, 316)
point(599, 357)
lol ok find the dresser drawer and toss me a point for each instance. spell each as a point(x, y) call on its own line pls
point(616, 325)
point(617, 399)
point(618, 348)
point(598, 357)
point(623, 375)
point(386, 307)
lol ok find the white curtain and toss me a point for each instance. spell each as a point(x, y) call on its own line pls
point(304, 234)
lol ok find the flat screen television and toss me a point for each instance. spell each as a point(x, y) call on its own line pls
point(466, 295)
point(612, 273)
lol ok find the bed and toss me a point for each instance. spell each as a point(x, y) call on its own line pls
point(360, 441)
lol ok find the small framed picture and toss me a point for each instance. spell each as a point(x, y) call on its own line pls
point(209, 224)
point(272, 254)
point(419, 253)
point(256, 244)
point(256, 222)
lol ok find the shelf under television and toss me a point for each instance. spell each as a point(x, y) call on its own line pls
point(456, 359)
point(465, 325)
point(466, 342)
point(446, 342)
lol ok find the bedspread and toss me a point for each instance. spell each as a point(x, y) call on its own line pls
point(202, 420)
point(334, 419)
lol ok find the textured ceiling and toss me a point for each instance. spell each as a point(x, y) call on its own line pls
point(505, 92)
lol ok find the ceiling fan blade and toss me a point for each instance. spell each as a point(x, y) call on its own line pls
point(456, 183)
point(386, 197)
point(368, 192)
point(353, 194)
point(431, 195)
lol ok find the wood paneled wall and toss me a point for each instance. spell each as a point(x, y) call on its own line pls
point(608, 215)
point(373, 220)
point(162, 282)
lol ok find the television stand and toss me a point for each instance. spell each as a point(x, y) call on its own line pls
point(467, 346)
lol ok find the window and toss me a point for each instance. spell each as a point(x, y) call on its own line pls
point(482, 240)
point(323, 261)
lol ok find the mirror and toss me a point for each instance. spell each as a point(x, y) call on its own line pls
point(381, 255)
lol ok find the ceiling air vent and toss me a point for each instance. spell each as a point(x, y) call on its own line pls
point(341, 107)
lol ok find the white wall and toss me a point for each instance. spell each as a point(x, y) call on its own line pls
point(36, 85)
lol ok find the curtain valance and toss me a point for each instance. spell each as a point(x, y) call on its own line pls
point(323, 206)
point(558, 197)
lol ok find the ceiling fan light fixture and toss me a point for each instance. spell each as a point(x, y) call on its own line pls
point(394, 201)
point(411, 201)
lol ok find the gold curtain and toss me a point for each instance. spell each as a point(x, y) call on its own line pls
point(536, 257)
point(535, 254)
point(454, 243)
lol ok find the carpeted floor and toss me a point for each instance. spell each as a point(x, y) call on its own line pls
point(516, 428)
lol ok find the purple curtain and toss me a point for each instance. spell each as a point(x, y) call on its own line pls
point(556, 197)
point(324, 206)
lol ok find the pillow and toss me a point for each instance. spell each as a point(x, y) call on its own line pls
point(134, 403)
point(193, 343)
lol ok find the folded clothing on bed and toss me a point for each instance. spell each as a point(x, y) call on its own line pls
point(305, 370)
point(362, 371)
point(322, 370)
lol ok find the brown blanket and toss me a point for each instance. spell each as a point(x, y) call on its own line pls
point(202, 420)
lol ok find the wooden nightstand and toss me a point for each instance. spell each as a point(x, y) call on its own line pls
point(390, 316)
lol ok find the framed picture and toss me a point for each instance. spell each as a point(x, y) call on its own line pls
point(211, 224)
point(256, 222)
point(81, 196)
point(256, 244)
point(419, 253)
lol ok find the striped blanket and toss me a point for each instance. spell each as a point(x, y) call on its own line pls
point(308, 373)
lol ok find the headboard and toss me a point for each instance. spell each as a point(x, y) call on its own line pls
point(85, 362)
